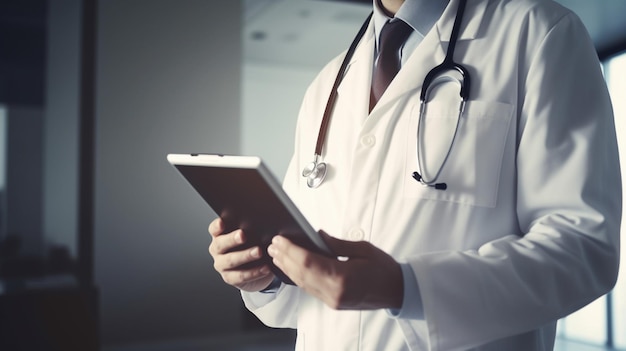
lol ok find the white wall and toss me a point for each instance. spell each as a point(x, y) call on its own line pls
point(168, 81)
point(270, 103)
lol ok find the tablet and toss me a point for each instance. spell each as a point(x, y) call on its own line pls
point(245, 194)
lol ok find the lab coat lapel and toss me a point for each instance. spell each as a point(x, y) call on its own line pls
point(432, 49)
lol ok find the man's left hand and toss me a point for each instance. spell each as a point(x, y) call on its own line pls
point(362, 278)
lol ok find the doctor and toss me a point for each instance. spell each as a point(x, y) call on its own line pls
point(527, 229)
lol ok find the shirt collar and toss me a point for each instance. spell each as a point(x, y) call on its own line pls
point(419, 14)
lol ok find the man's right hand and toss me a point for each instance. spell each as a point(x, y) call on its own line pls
point(228, 263)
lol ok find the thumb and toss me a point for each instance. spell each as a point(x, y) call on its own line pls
point(345, 248)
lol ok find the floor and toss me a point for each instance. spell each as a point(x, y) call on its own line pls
point(273, 340)
point(279, 341)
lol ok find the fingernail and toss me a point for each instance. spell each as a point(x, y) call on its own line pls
point(265, 270)
point(256, 253)
point(271, 250)
point(239, 237)
point(276, 239)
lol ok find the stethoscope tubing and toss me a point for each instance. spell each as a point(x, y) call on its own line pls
point(448, 64)
point(330, 104)
point(315, 172)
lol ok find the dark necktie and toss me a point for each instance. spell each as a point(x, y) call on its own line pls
point(392, 36)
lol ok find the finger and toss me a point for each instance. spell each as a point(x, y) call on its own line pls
point(233, 260)
point(247, 276)
point(278, 251)
point(305, 268)
point(315, 274)
point(344, 247)
point(216, 227)
point(223, 243)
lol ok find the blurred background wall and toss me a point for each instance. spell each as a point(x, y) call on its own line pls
point(169, 80)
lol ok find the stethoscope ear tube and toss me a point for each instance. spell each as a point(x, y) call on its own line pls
point(438, 186)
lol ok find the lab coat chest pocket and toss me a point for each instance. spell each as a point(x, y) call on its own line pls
point(472, 169)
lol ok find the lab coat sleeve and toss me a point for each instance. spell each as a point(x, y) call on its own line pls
point(568, 208)
point(277, 310)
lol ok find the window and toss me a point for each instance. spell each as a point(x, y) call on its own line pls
point(615, 73)
point(603, 322)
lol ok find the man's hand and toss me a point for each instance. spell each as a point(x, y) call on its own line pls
point(367, 279)
point(229, 263)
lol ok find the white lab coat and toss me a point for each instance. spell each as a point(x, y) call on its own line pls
point(528, 230)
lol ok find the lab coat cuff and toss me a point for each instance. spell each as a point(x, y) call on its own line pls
point(254, 300)
point(273, 287)
point(412, 307)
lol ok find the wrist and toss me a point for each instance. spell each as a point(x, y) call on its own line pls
point(398, 292)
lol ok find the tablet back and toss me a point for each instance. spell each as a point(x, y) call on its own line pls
point(244, 193)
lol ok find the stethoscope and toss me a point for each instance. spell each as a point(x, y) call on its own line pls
point(316, 171)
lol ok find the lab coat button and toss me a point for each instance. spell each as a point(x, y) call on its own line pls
point(368, 140)
point(356, 234)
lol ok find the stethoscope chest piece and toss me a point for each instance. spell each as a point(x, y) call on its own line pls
point(314, 172)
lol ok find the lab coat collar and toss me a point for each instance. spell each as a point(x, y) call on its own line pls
point(472, 20)
point(443, 27)
point(421, 15)
point(423, 59)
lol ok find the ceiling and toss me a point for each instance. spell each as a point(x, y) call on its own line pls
point(303, 33)
point(310, 32)
point(299, 32)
